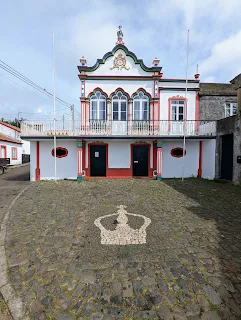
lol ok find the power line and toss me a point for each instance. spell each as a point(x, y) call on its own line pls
point(30, 81)
point(43, 91)
point(34, 85)
point(24, 87)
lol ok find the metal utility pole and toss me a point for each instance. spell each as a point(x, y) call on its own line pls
point(63, 121)
point(54, 112)
point(185, 112)
point(19, 116)
point(72, 111)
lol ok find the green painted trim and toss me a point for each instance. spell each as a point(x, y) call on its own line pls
point(79, 144)
point(128, 54)
point(159, 144)
point(159, 178)
point(79, 178)
point(129, 78)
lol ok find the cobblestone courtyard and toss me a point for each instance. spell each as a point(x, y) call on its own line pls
point(189, 268)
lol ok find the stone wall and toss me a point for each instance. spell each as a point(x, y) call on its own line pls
point(213, 107)
point(213, 97)
point(228, 126)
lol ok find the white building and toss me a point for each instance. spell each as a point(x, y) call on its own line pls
point(132, 125)
point(10, 143)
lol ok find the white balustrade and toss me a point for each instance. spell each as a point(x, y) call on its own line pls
point(118, 128)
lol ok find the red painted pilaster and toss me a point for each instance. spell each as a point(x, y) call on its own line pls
point(159, 160)
point(37, 170)
point(199, 173)
point(79, 160)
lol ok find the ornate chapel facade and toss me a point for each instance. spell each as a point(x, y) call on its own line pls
point(133, 123)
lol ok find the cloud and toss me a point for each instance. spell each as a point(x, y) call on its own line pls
point(209, 79)
point(88, 27)
point(225, 56)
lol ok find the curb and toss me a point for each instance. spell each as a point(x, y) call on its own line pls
point(15, 305)
point(18, 166)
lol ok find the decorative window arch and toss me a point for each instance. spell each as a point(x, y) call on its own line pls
point(98, 106)
point(119, 106)
point(141, 106)
point(176, 109)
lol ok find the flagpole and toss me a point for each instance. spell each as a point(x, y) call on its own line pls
point(185, 113)
point(54, 112)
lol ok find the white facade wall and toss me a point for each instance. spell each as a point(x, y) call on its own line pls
point(9, 147)
point(119, 153)
point(26, 147)
point(119, 156)
point(208, 159)
point(109, 86)
point(164, 105)
point(172, 167)
point(173, 84)
point(9, 132)
point(66, 167)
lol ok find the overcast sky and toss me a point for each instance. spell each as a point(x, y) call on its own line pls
point(88, 27)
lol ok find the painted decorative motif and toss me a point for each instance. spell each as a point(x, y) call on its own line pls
point(128, 53)
point(119, 62)
point(123, 234)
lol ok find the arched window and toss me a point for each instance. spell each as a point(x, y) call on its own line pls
point(141, 107)
point(98, 106)
point(119, 107)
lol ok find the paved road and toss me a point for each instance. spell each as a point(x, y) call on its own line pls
point(12, 182)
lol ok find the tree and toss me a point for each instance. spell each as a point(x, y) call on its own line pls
point(15, 122)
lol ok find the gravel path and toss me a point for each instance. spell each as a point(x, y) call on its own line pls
point(190, 267)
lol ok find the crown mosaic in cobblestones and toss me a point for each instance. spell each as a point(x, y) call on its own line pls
point(123, 233)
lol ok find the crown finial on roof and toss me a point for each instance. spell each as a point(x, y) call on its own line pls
point(120, 36)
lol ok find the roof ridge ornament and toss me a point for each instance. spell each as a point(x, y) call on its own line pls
point(120, 36)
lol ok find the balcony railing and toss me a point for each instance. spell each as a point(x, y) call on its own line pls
point(118, 128)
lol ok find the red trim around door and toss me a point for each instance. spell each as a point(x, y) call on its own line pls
point(106, 155)
point(141, 144)
point(83, 154)
point(154, 154)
